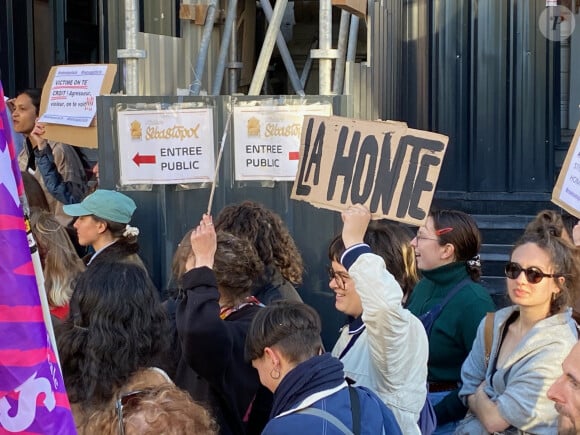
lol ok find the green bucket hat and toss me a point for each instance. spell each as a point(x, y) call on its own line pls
point(105, 204)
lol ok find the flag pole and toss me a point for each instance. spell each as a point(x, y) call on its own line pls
point(39, 274)
point(219, 158)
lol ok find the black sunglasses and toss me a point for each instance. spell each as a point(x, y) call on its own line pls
point(126, 400)
point(533, 274)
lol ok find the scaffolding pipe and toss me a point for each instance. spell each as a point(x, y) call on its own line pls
point(352, 39)
point(267, 47)
point(234, 65)
point(307, 65)
point(325, 44)
point(130, 52)
point(338, 82)
point(285, 53)
point(226, 41)
point(195, 87)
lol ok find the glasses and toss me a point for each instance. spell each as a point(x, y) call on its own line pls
point(340, 277)
point(420, 237)
point(124, 401)
point(533, 274)
point(438, 233)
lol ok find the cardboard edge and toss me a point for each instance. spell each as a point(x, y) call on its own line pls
point(79, 136)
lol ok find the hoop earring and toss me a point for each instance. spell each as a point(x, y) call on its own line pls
point(275, 373)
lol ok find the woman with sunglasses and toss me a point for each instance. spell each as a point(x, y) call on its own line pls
point(530, 341)
point(384, 347)
point(446, 251)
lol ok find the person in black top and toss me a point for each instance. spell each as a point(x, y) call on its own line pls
point(212, 321)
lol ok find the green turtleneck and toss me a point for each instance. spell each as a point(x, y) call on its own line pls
point(454, 330)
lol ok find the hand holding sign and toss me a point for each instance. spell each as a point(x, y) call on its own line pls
point(576, 234)
point(355, 220)
point(36, 136)
point(203, 244)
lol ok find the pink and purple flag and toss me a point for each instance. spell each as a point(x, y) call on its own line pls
point(33, 398)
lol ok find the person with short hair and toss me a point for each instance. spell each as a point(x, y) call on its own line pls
point(103, 223)
point(447, 254)
point(529, 341)
point(565, 392)
point(311, 395)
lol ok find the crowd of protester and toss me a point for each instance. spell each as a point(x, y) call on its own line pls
point(233, 349)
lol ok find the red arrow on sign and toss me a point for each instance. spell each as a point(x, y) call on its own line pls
point(138, 159)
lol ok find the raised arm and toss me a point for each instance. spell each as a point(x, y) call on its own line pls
point(204, 336)
point(397, 340)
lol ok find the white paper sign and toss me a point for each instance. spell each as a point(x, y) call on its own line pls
point(73, 95)
point(267, 140)
point(166, 147)
point(570, 193)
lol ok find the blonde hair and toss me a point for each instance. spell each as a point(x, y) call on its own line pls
point(161, 409)
point(61, 264)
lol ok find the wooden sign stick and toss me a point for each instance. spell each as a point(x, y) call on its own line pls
point(219, 158)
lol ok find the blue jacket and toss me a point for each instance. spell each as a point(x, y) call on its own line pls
point(318, 383)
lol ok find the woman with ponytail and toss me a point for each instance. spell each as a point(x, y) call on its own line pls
point(446, 250)
point(103, 223)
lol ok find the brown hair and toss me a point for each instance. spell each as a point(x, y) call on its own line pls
point(180, 257)
point(293, 327)
point(464, 236)
point(236, 266)
point(159, 409)
point(169, 410)
point(392, 242)
point(268, 233)
point(61, 264)
point(548, 234)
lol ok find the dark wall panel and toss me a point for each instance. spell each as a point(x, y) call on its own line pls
point(491, 81)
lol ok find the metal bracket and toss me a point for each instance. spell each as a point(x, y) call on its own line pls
point(319, 53)
point(131, 53)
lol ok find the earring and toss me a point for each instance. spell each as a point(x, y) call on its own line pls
point(554, 296)
point(275, 373)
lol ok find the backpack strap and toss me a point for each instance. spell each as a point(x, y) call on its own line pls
point(431, 316)
point(488, 335)
point(355, 409)
point(328, 417)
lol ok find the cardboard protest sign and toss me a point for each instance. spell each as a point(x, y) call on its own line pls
point(390, 168)
point(566, 193)
point(69, 100)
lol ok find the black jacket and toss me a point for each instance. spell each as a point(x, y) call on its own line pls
point(212, 365)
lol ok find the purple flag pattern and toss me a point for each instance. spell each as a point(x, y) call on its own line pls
point(33, 398)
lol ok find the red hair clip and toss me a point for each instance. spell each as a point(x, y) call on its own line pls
point(443, 231)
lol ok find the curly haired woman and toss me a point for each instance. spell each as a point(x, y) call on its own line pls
point(116, 333)
point(283, 266)
point(142, 409)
